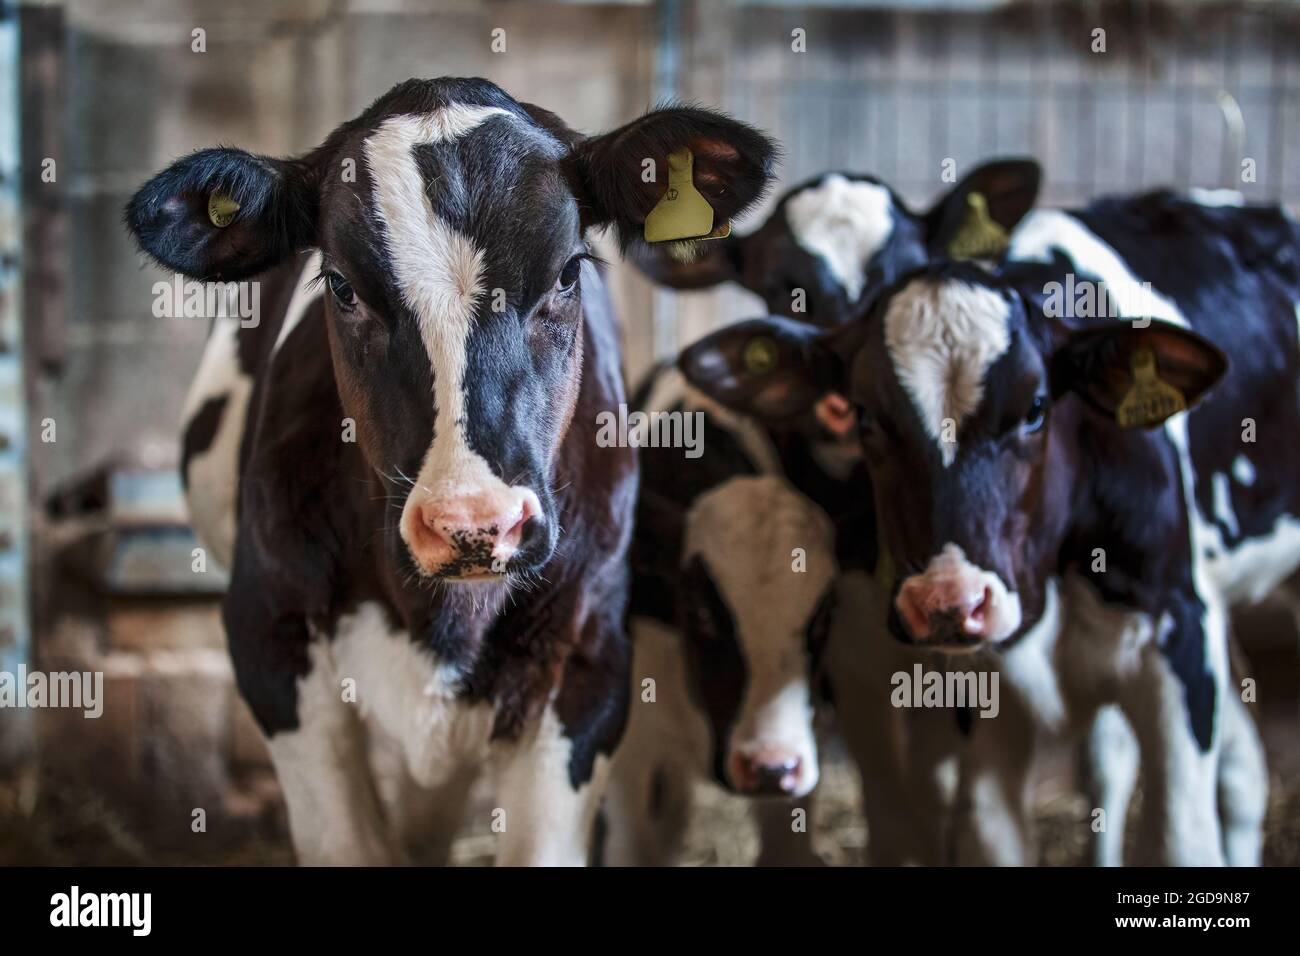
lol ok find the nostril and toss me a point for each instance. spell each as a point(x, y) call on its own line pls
point(432, 523)
point(515, 534)
point(777, 778)
point(975, 616)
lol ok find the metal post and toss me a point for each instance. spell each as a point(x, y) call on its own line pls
point(16, 732)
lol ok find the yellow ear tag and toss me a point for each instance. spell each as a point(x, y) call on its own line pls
point(759, 356)
point(978, 237)
point(681, 213)
point(1150, 400)
point(221, 209)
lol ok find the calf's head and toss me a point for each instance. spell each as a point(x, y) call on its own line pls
point(451, 221)
point(760, 565)
point(833, 243)
point(971, 407)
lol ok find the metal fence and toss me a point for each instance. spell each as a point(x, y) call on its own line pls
point(1109, 96)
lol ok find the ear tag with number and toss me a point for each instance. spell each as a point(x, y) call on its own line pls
point(221, 209)
point(1150, 400)
point(978, 237)
point(759, 355)
point(681, 213)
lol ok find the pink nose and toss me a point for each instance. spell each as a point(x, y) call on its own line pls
point(942, 607)
point(468, 534)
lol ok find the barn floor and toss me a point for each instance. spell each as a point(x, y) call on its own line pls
point(44, 825)
point(64, 819)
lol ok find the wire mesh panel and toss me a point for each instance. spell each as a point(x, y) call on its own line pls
point(1109, 97)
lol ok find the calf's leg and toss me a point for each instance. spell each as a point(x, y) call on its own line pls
point(1243, 784)
point(991, 823)
point(545, 820)
point(1111, 754)
point(1179, 825)
point(335, 817)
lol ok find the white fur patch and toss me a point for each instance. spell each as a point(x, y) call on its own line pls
point(845, 222)
point(547, 822)
point(212, 477)
point(1216, 197)
point(1044, 231)
point(1223, 502)
point(439, 273)
point(334, 814)
point(403, 692)
point(1257, 565)
point(942, 338)
point(747, 530)
point(305, 293)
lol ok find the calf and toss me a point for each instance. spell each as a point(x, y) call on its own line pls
point(999, 471)
point(733, 581)
point(427, 546)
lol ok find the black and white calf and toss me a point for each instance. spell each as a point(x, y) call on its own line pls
point(734, 573)
point(998, 469)
point(443, 595)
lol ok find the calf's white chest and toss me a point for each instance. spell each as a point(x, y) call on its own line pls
point(404, 694)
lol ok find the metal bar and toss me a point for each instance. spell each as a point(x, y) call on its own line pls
point(17, 736)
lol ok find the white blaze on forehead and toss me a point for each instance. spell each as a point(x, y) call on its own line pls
point(942, 337)
point(439, 274)
point(747, 530)
point(845, 223)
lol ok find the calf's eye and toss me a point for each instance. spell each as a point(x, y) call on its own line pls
point(569, 274)
point(1035, 416)
point(342, 290)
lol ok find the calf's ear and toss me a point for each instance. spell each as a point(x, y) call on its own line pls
point(1137, 376)
point(1009, 188)
point(620, 176)
point(225, 214)
point(772, 368)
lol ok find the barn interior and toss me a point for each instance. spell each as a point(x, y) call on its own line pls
point(97, 572)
